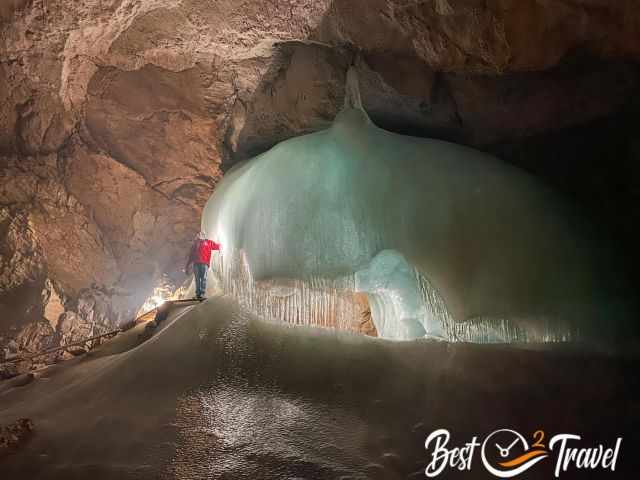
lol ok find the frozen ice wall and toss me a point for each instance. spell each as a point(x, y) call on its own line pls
point(446, 241)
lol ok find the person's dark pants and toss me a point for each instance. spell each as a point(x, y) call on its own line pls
point(200, 272)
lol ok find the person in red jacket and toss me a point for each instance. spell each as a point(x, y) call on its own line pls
point(200, 257)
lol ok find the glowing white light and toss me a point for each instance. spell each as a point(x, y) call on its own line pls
point(152, 302)
point(156, 301)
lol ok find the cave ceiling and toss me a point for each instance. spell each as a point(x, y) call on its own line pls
point(118, 118)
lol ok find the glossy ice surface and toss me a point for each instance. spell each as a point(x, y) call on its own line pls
point(218, 394)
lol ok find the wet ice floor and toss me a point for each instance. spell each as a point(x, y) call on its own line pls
point(220, 394)
point(247, 434)
point(251, 422)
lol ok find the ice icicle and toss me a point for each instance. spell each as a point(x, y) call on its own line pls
point(352, 99)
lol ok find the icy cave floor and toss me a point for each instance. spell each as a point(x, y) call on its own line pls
point(217, 393)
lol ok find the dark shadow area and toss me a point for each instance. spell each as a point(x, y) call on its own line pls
point(596, 165)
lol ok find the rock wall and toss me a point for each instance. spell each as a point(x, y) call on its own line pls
point(118, 117)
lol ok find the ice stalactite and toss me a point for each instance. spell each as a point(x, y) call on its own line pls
point(444, 240)
point(315, 301)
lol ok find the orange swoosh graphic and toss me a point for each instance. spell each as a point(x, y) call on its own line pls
point(522, 458)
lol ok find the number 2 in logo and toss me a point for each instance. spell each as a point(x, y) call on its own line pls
point(538, 436)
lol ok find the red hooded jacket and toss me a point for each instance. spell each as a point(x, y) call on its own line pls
point(201, 251)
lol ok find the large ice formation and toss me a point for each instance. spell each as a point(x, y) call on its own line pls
point(445, 240)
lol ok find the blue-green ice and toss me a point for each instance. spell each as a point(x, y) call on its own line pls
point(446, 241)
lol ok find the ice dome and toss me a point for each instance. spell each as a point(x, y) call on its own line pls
point(445, 240)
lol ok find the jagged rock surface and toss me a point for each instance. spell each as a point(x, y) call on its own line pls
point(117, 117)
